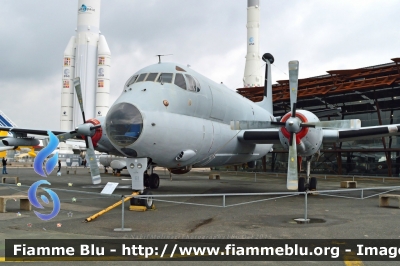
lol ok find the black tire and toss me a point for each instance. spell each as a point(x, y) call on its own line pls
point(146, 181)
point(154, 181)
point(147, 202)
point(135, 202)
point(313, 183)
point(301, 184)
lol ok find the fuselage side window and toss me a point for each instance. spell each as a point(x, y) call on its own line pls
point(152, 77)
point(165, 78)
point(141, 77)
point(191, 83)
point(131, 80)
point(180, 81)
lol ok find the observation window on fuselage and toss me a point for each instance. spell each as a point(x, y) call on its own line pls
point(131, 80)
point(193, 84)
point(141, 77)
point(180, 81)
point(151, 77)
point(165, 78)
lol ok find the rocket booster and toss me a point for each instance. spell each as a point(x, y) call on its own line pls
point(90, 59)
point(253, 72)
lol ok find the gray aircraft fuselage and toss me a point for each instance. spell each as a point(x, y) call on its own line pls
point(172, 110)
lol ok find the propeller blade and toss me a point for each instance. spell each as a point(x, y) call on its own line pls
point(292, 175)
point(293, 83)
point(294, 109)
point(341, 124)
point(91, 158)
point(87, 142)
point(291, 138)
point(239, 125)
point(78, 90)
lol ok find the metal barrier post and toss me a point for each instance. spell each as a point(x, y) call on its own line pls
point(223, 200)
point(122, 229)
point(305, 206)
point(255, 176)
point(362, 193)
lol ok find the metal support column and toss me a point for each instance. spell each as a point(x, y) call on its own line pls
point(387, 154)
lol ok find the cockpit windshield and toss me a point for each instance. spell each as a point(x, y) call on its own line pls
point(183, 81)
point(151, 77)
point(141, 77)
point(165, 78)
point(131, 80)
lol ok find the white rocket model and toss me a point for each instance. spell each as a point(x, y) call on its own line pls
point(87, 56)
point(253, 70)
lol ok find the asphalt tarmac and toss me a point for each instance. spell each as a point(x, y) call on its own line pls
point(336, 215)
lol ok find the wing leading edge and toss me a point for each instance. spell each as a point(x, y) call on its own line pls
point(30, 131)
point(332, 135)
point(271, 136)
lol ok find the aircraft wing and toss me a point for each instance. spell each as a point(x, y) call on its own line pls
point(271, 136)
point(30, 131)
point(342, 135)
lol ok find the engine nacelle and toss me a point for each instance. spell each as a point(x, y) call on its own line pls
point(20, 142)
point(308, 139)
point(181, 170)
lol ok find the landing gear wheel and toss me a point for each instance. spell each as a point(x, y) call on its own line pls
point(313, 183)
point(154, 181)
point(135, 201)
point(147, 202)
point(146, 180)
point(301, 184)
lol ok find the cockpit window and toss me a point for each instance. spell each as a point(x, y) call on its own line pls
point(180, 81)
point(141, 77)
point(151, 77)
point(165, 78)
point(193, 84)
point(131, 80)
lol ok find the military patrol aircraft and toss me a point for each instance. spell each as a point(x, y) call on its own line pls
point(171, 116)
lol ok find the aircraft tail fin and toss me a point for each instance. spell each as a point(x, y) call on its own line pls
point(266, 103)
point(5, 122)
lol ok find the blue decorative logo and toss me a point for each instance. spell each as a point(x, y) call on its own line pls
point(32, 198)
point(251, 40)
point(84, 8)
point(43, 154)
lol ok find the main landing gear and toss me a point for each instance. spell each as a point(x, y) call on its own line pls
point(308, 183)
point(151, 181)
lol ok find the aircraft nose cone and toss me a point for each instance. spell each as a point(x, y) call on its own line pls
point(124, 124)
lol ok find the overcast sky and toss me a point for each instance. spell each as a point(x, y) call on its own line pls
point(210, 35)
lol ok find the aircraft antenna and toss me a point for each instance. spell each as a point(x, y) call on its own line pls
point(159, 57)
